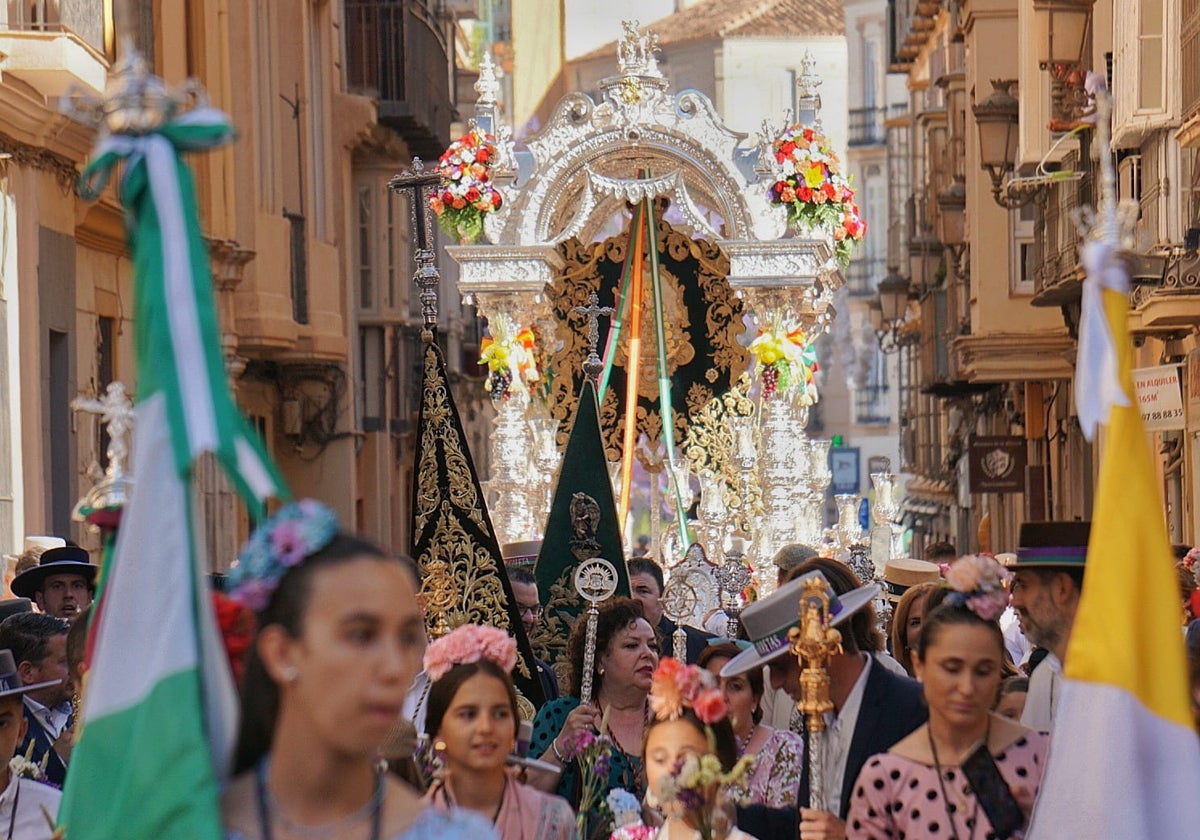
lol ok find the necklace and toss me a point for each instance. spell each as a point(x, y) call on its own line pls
point(745, 742)
point(267, 806)
point(631, 763)
point(937, 765)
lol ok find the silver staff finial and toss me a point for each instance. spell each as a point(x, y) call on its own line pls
point(593, 366)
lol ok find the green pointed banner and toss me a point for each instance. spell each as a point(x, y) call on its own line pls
point(582, 525)
point(454, 544)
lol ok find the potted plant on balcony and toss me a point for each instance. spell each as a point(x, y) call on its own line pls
point(467, 193)
point(810, 183)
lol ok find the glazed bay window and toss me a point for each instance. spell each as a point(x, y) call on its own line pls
point(1143, 97)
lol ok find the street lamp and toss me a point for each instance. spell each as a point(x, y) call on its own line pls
point(997, 117)
point(888, 312)
point(924, 260)
point(952, 222)
point(1061, 28)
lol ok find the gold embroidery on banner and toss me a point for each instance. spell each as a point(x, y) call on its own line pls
point(478, 590)
point(584, 266)
point(439, 432)
point(558, 620)
point(710, 447)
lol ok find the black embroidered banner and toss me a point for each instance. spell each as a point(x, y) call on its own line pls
point(454, 544)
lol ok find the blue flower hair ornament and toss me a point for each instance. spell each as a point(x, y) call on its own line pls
point(294, 532)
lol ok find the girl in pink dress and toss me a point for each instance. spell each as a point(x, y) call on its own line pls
point(918, 788)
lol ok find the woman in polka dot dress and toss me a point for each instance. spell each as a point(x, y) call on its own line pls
point(917, 789)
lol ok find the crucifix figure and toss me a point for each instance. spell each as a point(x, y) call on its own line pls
point(116, 413)
point(101, 506)
point(593, 366)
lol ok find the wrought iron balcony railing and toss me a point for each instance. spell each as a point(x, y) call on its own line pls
point(398, 52)
point(867, 127)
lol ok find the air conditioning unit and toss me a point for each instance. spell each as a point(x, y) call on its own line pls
point(1129, 178)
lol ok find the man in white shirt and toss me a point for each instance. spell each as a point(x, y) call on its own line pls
point(29, 799)
point(38, 644)
point(1047, 582)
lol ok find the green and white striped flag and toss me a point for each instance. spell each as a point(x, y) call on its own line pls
point(160, 711)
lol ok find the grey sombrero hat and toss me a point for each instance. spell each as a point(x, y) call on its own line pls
point(768, 621)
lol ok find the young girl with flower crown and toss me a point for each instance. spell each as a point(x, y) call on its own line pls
point(339, 642)
point(917, 788)
point(471, 720)
point(690, 757)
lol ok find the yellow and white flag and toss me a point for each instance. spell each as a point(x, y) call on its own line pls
point(1124, 755)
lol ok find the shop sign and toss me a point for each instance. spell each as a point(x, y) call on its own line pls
point(996, 463)
point(1159, 397)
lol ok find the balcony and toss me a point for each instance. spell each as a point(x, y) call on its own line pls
point(52, 59)
point(863, 275)
point(398, 52)
point(867, 127)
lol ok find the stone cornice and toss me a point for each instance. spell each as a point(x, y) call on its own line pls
point(1006, 357)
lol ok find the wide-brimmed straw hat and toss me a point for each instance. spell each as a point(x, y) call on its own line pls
point(768, 621)
point(64, 560)
point(522, 554)
point(903, 573)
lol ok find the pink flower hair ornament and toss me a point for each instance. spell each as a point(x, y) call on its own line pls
point(979, 583)
point(467, 644)
point(675, 687)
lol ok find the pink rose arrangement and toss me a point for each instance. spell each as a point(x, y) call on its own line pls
point(470, 643)
point(979, 583)
point(676, 686)
point(815, 191)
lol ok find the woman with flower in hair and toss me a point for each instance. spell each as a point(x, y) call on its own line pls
point(778, 753)
point(471, 719)
point(340, 639)
point(691, 755)
point(918, 788)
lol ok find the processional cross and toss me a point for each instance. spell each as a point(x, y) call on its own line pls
point(593, 366)
point(101, 505)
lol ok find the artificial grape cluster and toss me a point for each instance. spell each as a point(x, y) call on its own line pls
point(501, 382)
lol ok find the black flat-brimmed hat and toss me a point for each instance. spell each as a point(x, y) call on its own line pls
point(1052, 545)
point(768, 621)
point(66, 560)
point(10, 680)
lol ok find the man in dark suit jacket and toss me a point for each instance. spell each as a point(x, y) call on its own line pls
point(39, 646)
point(873, 708)
point(646, 586)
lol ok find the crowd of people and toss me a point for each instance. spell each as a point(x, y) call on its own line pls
point(355, 725)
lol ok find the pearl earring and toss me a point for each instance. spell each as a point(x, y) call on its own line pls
point(289, 673)
point(439, 745)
